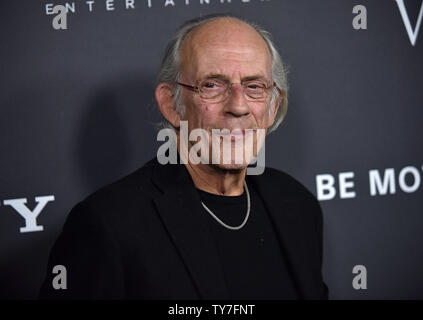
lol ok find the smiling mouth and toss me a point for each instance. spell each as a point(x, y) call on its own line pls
point(233, 135)
point(234, 132)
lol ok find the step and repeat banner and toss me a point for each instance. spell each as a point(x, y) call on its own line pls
point(77, 112)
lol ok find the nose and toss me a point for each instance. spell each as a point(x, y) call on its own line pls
point(237, 104)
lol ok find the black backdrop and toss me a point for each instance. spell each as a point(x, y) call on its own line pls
point(77, 112)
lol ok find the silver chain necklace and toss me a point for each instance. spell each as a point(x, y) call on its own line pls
point(246, 217)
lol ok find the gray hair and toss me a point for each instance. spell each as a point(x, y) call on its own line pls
point(170, 66)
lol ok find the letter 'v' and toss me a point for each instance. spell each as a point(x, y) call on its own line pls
point(411, 34)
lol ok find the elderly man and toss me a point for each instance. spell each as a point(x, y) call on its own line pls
point(201, 230)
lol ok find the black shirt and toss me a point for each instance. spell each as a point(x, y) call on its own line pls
point(251, 257)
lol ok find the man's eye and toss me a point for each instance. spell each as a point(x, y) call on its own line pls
point(255, 86)
point(212, 85)
point(209, 85)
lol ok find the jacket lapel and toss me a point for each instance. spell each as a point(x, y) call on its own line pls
point(180, 210)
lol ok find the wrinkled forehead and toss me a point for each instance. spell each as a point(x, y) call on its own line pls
point(220, 39)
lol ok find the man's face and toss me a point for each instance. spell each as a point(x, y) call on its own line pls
point(228, 49)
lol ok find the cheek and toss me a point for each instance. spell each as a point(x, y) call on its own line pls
point(201, 114)
point(261, 114)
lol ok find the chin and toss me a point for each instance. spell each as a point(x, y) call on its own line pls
point(234, 163)
point(231, 166)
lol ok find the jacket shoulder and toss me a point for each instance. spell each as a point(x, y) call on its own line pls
point(288, 187)
point(136, 184)
point(119, 200)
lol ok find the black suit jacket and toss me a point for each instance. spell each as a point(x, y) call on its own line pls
point(142, 238)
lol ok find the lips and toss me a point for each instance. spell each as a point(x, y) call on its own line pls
point(234, 132)
point(233, 135)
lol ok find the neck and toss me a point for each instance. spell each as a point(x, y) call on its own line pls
point(216, 180)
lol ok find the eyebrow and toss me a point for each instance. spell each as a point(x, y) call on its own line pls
point(254, 77)
point(223, 77)
point(216, 76)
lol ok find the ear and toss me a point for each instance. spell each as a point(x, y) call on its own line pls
point(276, 105)
point(164, 98)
